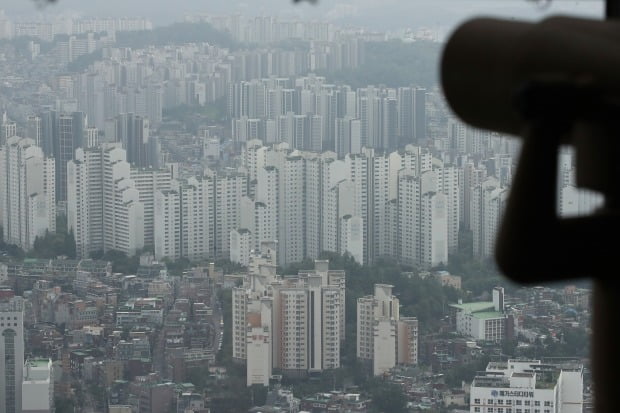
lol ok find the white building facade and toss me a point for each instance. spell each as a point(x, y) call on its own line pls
point(294, 322)
point(103, 204)
point(383, 338)
point(528, 386)
point(27, 196)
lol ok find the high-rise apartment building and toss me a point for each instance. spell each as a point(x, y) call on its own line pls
point(27, 197)
point(148, 181)
point(182, 218)
point(62, 134)
point(383, 338)
point(412, 114)
point(487, 205)
point(228, 189)
point(12, 352)
point(423, 214)
point(358, 195)
point(103, 206)
point(133, 131)
point(34, 129)
point(8, 128)
point(296, 322)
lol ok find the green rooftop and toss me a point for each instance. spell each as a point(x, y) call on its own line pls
point(38, 362)
point(475, 307)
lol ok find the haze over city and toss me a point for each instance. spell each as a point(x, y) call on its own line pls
point(377, 15)
point(268, 207)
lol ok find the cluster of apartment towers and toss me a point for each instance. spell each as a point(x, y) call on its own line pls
point(404, 204)
point(295, 324)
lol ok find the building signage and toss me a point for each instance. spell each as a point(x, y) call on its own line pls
point(511, 393)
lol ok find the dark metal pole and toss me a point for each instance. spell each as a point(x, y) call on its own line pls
point(605, 360)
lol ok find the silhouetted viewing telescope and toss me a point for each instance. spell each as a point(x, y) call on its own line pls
point(552, 83)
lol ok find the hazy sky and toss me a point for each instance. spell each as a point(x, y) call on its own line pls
point(377, 14)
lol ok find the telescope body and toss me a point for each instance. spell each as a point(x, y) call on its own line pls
point(487, 61)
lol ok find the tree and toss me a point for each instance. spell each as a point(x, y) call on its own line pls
point(52, 245)
point(64, 405)
point(387, 397)
point(120, 261)
point(465, 372)
point(177, 267)
point(177, 33)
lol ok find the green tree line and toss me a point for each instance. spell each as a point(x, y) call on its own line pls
point(177, 33)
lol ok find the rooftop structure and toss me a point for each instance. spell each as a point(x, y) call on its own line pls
point(522, 385)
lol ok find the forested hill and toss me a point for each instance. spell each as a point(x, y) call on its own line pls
point(177, 33)
point(394, 64)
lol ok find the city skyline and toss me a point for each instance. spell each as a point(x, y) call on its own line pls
point(441, 15)
point(241, 213)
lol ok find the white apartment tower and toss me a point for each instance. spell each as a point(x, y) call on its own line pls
point(315, 202)
point(33, 129)
point(228, 189)
point(241, 243)
point(11, 354)
point(352, 237)
point(292, 214)
point(258, 341)
point(296, 322)
point(103, 204)
point(487, 205)
point(148, 181)
point(8, 129)
point(27, 198)
point(268, 195)
point(383, 338)
point(423, 215)
point(182, 218)
point(448, 184)
point(433, 230)
point(168, 225)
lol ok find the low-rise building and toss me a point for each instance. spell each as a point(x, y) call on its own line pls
point(38, 386)
point(483, 320)
point(521, 386)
